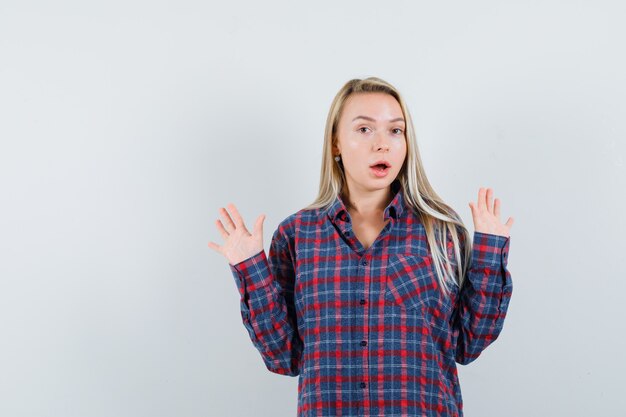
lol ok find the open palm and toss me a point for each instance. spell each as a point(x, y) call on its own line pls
point(239, 243)
point(486, 215)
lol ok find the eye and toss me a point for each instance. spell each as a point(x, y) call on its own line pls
point(401, 131)
point(363, 128)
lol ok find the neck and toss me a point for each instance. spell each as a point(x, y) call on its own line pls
point(367, 203)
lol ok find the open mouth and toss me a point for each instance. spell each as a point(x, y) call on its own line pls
point(380, 166)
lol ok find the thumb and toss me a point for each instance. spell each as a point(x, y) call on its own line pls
point(258, 226)
point(472, 209)
point(471, 206)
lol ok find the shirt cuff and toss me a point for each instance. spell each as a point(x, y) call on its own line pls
point(253, 272)
point(489, 249)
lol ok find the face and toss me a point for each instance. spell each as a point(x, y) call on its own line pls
point(371, 128)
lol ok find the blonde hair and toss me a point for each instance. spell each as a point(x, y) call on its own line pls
point(438, 218)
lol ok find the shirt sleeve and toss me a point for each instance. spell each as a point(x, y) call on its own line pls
point(484, 297)
point(266, 287)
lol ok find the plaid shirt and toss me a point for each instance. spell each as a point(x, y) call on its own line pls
point(368, 331)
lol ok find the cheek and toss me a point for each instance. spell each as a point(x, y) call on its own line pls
point(399, 153)
point(401, 145)
point(357, 151)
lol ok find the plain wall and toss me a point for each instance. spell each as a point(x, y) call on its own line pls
point(126, 125)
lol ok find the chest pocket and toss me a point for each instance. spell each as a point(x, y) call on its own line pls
point(412, 283)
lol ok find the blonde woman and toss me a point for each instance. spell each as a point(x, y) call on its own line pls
point(361, 294)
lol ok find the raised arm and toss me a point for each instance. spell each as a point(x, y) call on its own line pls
point(266, 286)
point(487, 288)
point(267, 306)
point(484, 297)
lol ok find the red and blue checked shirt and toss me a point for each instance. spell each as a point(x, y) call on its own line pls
point(368, 331)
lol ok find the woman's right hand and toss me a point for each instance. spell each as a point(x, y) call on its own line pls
point(239, 243)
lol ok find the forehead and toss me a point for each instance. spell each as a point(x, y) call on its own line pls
point(380, 106)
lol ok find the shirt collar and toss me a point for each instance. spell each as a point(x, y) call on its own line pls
point(394, 209)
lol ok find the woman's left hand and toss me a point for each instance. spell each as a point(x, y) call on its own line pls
point(486, 215)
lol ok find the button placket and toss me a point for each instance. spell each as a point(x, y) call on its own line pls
point(363, 264)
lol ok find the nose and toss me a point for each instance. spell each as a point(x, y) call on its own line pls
point(381, 142)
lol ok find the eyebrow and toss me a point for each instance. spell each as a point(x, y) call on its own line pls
point(398, 119)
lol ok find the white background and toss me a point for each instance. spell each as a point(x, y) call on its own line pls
point(125, 125)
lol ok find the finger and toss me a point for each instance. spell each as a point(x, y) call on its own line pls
point(488, 197)
point(481, 198)
point(215, 247)
point(237, 217)
point(221, 229)
point(229, 225)
point(496, 208)
point(509, 222)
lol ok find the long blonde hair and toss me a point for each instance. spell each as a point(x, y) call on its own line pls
point(446, 234)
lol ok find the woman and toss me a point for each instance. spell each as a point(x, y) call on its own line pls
point(361, 294)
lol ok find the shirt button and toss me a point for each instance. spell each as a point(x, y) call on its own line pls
point(362, 384)
point(362, 301)
point(363, 343)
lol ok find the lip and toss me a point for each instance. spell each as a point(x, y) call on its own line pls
point(381, 161)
